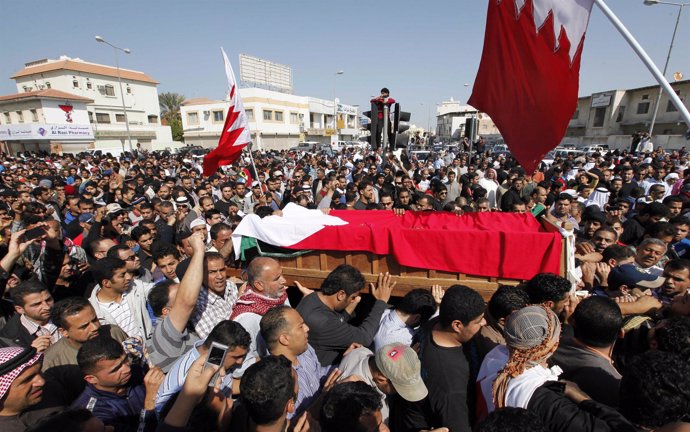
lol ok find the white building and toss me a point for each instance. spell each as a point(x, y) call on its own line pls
point(276, 120)
point(99, 84)
point(44, 120)
point(451, 117)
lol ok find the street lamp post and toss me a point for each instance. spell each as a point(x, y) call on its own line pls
point(668, 56)
point(335, 107)
point(119, 80)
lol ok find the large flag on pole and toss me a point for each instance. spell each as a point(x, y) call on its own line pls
point(528, 78)
point(235, 135)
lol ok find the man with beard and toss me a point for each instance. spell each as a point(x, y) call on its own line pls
point(512, 195)
point(553, 292)
point(164, 194)
point(21, 386)
point(592, 220)
point(223, 204)
point(77, 323)
point(366, 195)
point(30, 326)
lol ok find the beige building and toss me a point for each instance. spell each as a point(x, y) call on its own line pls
point(611, 118)
point(276, 120)
point(451, 118)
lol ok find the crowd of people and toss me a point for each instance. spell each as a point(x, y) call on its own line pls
point(117, 301)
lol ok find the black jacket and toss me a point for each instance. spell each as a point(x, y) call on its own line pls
point(560, 414)
point(15, 334)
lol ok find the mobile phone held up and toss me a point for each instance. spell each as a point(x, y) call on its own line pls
point(35, 233)
point(216, 357)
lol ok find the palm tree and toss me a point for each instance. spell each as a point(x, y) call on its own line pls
point(170, 105)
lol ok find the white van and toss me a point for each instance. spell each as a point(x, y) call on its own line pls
point(590, 150)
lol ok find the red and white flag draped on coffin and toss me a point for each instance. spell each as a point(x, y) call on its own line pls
point(528, 78)
point(507, 245)
point(235, 135)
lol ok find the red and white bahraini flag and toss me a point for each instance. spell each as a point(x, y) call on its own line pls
point(235, 135)
point(528, 78)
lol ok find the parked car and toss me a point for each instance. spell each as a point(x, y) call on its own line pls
point(188, 149)
point(590, 150)
point(564, 153)
point(500, 150)
point(420, 155)
point(306, 146)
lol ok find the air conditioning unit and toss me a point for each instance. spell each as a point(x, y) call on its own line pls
point(207, 112)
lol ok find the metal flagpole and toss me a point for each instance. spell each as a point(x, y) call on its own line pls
point(645, 59)
point(250, 146)
point(668, 58)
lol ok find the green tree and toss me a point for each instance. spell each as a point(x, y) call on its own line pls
point(176, 129)
point(170, 106)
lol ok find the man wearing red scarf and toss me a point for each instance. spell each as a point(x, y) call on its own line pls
point(265, 290)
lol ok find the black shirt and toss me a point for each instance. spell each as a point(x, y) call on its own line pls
point(446, 373)
point(633, 232)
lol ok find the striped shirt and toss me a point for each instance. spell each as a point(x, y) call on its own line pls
point(212, 309)
point(122, 314)
point(174, 379)
point(167, 344)
point(36, 329)
point(310, 375)
point(392, 330)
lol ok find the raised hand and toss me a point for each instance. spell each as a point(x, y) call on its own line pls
point(383, 288)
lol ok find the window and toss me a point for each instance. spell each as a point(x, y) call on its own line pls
point(576, 114)
point(90, 117)
point(48, 84)
point(8, 119)
point(279, 116)
point(107, 90)
point(34, 116)
point(119, 118)
point(268, 115)
point(218, 117)
point(20, 115)
point(643, 107)
point(250, 114)
point(102, 118)
point(599, 116)
point(621, 113)
point(294, 118)
point(153, 119)
point(27, 88)
point(193, 118)
point(669, 105)
point(75, 84)
point(129, 90)
point(89, 86)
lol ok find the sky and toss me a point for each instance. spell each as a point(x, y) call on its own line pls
point(425, 51)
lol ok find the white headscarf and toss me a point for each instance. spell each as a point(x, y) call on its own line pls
point(599, 198)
